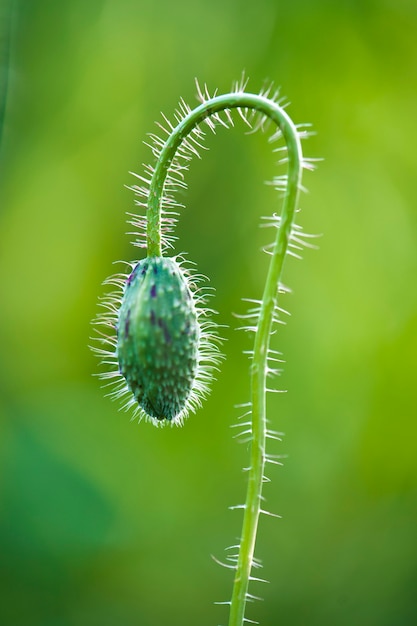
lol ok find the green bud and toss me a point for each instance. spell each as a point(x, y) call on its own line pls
point(158, 337)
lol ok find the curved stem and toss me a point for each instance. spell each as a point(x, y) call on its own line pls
point(277, 114)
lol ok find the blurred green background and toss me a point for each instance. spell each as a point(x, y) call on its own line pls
point(105, 522)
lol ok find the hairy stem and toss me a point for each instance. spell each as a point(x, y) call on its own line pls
point(259, 368)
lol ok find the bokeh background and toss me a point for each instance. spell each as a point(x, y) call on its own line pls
point(105, 522)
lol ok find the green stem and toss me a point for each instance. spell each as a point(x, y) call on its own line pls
point(269, 301)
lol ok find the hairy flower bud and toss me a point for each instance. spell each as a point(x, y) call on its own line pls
point(158, 337)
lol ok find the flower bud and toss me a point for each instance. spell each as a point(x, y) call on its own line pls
point(158, 337)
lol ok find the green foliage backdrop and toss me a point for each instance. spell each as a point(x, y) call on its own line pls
point(106, 522)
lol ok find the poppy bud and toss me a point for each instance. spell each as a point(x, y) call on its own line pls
point(158, 337)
